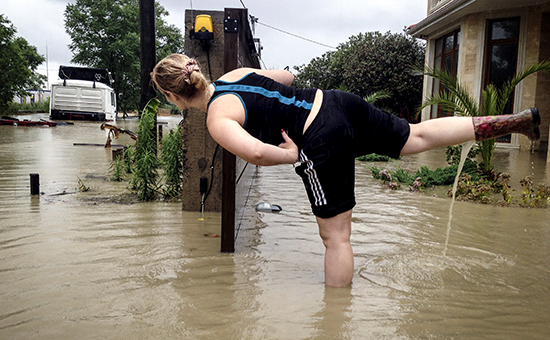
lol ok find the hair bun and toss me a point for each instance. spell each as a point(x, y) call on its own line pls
point(189, 67)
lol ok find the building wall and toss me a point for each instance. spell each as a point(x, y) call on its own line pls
point(471, 61)
point(531, 92)
point(542, 96)
point(35, 96)
point(534, 47)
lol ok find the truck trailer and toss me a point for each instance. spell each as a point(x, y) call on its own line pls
point(83, 94)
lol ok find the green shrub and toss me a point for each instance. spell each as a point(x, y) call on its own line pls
point(145, 180)
point(15, 108)
point(469, 190)
point(117, 170)
point(439, 176)
point(128, 158)
point(453, 153)
point(172, 162)
point(374, 158)
point(539, 198)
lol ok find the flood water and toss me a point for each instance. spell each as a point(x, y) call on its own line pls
point(90, 265)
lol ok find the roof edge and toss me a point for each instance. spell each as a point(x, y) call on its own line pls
point(416, 30)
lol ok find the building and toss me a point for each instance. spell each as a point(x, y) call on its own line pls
point(487, 41)
point(34, 96)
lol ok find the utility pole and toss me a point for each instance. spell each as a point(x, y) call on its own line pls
point(148, 48)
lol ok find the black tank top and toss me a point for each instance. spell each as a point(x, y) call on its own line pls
point(269, 106)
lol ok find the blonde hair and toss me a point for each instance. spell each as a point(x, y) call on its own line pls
point(169, 76)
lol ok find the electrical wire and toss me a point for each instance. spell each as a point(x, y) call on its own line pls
point(295, 35)
point(263, 63)
point(212, 173)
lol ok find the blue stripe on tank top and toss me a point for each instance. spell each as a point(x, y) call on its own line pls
point(266, 93)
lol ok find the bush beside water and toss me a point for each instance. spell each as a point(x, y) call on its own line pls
point(474, 185)
point(15, 108)
point(152, 177)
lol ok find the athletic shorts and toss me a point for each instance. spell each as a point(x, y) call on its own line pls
point(346, 127)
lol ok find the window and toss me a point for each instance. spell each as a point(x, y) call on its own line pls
point(446, 59)
point(502, 56)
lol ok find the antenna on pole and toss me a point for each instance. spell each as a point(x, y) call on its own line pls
point(47, 68)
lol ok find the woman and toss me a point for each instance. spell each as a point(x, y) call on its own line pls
point(256, 115)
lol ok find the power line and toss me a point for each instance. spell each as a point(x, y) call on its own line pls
point(295, 35)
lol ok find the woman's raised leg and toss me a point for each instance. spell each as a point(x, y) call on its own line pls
point(447, 131)
point(434, 133)
point(336, 232)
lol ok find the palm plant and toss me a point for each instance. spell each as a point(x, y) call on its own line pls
point(455, 98)
point(376, 96)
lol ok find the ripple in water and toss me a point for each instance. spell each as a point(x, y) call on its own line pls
point(409, 272)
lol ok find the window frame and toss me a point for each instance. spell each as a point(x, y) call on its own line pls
point(442, 55)
point(489, 44)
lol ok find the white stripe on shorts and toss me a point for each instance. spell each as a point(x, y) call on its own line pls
point(314, 182)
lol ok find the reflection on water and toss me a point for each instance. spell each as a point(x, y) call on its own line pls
point(81, 265)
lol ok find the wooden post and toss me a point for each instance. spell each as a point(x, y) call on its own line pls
point(116, 154)
point(239, 50)
point(148, 48)
point(228, 206)
point(231, 45)
point(35, 184)
point(147, 35)
point(160, 134)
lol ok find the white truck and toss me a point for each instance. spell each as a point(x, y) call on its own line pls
point(84, 94)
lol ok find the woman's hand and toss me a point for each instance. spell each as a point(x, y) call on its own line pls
point(290, 147)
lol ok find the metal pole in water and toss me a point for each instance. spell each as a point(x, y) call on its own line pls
point(35, 184)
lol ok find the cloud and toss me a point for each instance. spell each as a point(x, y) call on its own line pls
point(41, 23)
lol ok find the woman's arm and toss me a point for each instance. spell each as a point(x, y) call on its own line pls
point(230, 135)
point(226, 117)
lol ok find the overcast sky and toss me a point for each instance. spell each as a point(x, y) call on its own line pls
point(41, 23)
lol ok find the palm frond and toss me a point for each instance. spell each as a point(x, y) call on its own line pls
point(508, 87)
point(443, 99)
point(376, 96)
point(491, 100)
point(464, 104)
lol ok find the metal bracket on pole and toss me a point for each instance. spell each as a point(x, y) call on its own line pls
point(231, 25)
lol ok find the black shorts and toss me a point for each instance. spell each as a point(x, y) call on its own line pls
point(346, 127)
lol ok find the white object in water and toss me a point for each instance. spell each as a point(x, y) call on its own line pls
point(266, 207)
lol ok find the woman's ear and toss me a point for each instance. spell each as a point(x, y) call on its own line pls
point(172, 97)
point(176, 100)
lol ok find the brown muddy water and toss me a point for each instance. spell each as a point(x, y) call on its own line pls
point(88, 265)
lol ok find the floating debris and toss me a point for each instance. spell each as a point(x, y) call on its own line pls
point(266, 207)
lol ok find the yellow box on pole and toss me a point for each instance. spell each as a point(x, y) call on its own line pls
point(203, 27)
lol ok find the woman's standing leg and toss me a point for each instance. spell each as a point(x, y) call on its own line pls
point(336, 232)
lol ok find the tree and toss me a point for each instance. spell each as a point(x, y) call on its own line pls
point(369, 63)
point(18, 62)
point(105, 34)
point(456, 99)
